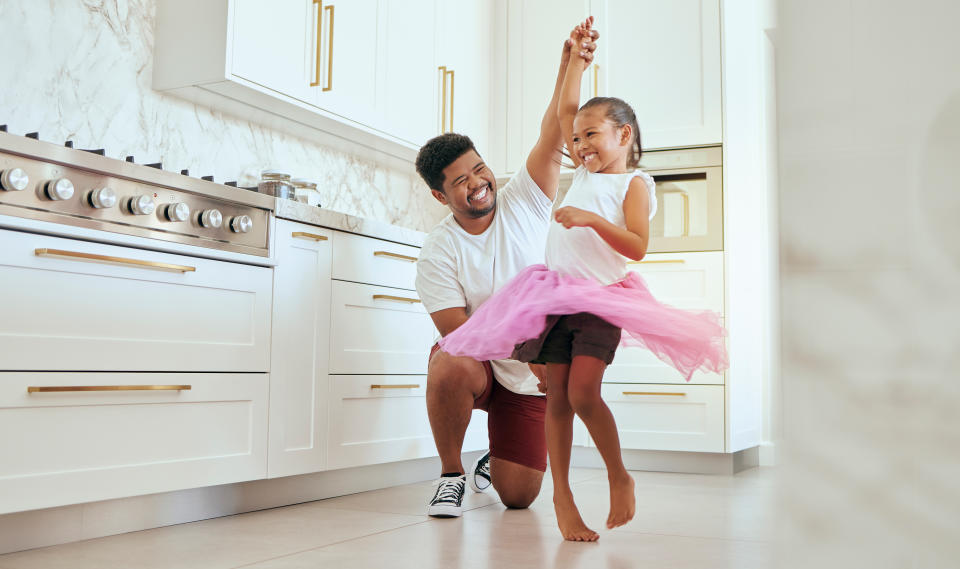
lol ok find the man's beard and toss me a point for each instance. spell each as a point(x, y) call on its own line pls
point(478, 213)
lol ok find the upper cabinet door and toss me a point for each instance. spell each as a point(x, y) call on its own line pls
point(533, 32)
point(464, 52)
point(408, 89)
point(664, 59)
point(347, 49)
point(271, 45)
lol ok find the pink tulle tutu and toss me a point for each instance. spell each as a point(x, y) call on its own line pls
point(688, 340)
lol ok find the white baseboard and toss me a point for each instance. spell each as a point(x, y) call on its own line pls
point(672, 461)
point(54, 526)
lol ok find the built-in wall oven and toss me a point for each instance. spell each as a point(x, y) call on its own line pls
point(134, 328)
point(689, 199)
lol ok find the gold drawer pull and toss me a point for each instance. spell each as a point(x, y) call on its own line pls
point(306, 235)
point(394, 256)
point(73, 255)
point(654, 393)
point(397, 298)
point(398, 386)
point(58, 388)
point(657, 261)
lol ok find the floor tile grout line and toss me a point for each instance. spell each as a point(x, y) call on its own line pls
point(292, 553)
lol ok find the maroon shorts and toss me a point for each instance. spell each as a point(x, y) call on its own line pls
point(514, 422)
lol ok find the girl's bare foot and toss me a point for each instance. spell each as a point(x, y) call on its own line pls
point(622, 500)
point(569, 520)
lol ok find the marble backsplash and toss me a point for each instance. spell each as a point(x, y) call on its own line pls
point(82, 70)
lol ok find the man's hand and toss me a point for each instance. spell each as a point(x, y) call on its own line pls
point(540, 370)
point(570, 216)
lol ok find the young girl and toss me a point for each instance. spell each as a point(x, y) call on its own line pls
point(569, 313)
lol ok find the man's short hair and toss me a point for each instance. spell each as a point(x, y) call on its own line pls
point(438, 153)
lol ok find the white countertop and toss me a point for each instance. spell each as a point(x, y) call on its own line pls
point(322, 217)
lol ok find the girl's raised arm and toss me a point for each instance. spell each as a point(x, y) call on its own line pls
point(569, 101)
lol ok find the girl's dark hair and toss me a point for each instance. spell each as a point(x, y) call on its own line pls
point(438, 153)
point(620, 113)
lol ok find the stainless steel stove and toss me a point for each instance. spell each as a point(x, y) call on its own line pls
point(83, 188)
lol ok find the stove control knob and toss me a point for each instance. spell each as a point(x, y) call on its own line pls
point(177, 211)
point(59, 189)
point(211, 218)
point(14, 179)
point(103, 198)
point(241, 224)
point(141, 205)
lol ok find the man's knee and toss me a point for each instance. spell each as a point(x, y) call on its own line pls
point(517, 485)
point(452, 372)
point(519, 498)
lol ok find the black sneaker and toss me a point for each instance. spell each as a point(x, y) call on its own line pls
point(479, 477)
point(448, 500)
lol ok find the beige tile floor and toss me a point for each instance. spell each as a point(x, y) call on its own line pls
point(683, 521)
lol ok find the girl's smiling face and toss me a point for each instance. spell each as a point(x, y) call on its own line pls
point(599, 143)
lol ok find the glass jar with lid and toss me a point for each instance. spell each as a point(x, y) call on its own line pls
point(306, 191)
point(275, 183)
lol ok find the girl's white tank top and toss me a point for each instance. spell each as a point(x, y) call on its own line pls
point(580, 251)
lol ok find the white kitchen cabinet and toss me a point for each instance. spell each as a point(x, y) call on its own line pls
point(664, 59)
point(269, 49)
point(73, 446)
point(378, 330)
point(383, 418)
point(362, 70)
point(464, 51)
point(409, 81)
point(92, 306)
point(661, 57)
point(535, 32)
point(668, 417)
point(362, 259)
point(300, 350)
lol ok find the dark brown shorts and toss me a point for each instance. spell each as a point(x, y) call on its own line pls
point(514, 422)
point(566, 336)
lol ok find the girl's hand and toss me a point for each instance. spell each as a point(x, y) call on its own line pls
point(575, 217)
point(582, 40)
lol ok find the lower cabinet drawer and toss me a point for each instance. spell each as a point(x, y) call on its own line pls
point(68, 447)
point(667, 417)
point(383, 418)
point(639, 365)
point(378, 330)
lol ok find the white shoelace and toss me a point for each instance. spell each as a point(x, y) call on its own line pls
point(450, 490)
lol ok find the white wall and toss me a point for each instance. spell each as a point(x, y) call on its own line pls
point(869, 144)
point(82, 71)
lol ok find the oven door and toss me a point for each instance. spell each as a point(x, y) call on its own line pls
point(75, 305)
point(689, 211)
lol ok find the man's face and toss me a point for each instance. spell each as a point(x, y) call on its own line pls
point(469, 188)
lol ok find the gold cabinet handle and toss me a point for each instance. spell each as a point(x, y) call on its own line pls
point(398, 386)
point(394, 256)
point(686, 209)
point(319, 5)
point(306, 235)
point(666, 394)
point(329, 85)
point(596, 78)
point(443, 99)
point(61, 388)
point(76, 256)
point(657, 262)
point(451, 100)
point(396, 298)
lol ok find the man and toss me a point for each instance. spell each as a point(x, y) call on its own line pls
point(489, 236)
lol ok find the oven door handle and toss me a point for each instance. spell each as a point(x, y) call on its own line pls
point(77, 256)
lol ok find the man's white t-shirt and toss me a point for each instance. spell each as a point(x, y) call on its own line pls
point(457, 269)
